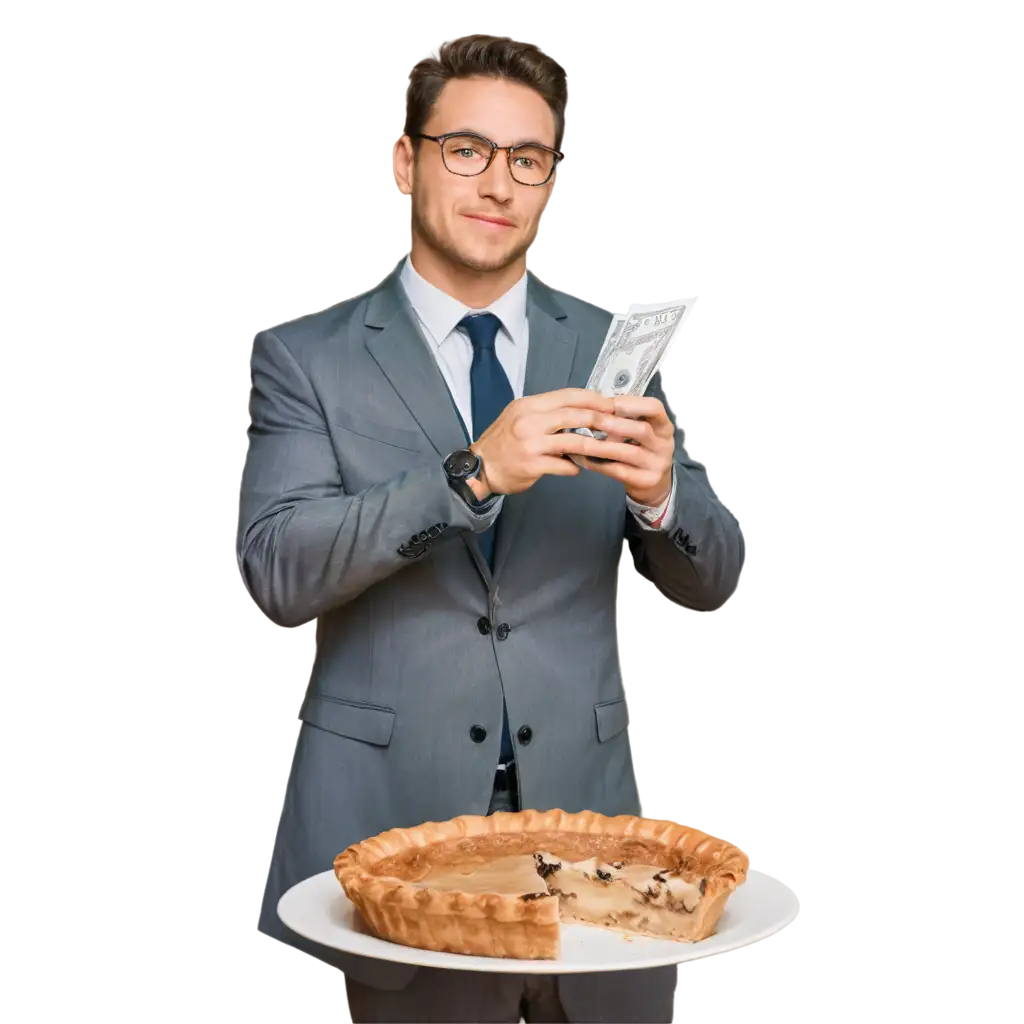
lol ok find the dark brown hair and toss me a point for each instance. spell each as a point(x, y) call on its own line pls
point(493, 57)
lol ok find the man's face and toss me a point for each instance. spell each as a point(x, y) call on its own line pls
point(448, 209)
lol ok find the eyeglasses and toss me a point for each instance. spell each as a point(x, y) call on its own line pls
point(468, 154)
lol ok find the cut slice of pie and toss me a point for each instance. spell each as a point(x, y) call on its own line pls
point(499, 885)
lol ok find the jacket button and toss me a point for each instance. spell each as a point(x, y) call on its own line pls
point(483, 625)
point(525, 734)
point(477, 733)
point(503, 630)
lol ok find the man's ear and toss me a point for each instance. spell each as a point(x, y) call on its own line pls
point(404, 159)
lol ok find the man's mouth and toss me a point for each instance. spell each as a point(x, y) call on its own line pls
point(500, 222)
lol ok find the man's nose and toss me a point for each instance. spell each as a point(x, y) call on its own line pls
point(497, 181)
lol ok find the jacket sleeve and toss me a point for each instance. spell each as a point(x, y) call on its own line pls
point(696, 558)
point(304, 544)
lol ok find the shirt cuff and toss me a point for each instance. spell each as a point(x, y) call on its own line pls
point(655, 517)
point(486, 510)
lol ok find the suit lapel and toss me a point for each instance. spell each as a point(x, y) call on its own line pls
point(548, 364)
point(397, 345)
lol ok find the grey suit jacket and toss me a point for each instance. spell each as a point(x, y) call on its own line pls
point(346, 517)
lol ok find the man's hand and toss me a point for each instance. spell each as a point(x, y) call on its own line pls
point(644, 466)
point(524, 443)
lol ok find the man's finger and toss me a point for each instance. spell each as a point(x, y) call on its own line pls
point(575, 398)
point(565, 418)
point(558, 466)
point(627, 454)
point(579, 444)
point(643, 407)
point(618, 427)
point(630, 476)
point(639, 407)
point(568, 417)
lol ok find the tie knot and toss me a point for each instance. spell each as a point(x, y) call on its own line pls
point(482, 329)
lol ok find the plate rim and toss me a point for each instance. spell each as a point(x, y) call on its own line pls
point(678, 952)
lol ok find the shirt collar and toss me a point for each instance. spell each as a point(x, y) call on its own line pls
point(441, 313)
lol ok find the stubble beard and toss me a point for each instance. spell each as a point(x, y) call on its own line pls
point(462, 259)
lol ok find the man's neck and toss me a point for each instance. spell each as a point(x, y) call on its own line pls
point(473, 288)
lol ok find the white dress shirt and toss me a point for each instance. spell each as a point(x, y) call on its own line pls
point(439, 315)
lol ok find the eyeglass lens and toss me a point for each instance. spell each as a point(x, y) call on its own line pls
point(467, 155)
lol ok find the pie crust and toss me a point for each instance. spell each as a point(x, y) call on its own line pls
point(387, 877)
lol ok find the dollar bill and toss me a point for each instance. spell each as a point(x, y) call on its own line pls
point(634, 348)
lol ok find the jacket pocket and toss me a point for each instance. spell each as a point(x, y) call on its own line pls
point(396, 437)
point(612, 718)
point(368, 722)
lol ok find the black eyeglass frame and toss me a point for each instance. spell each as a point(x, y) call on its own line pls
point(442, 139)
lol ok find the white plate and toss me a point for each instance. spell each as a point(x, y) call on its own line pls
point(319, 910)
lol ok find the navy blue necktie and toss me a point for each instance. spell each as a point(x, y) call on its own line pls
point(491, 392)
point(489, 388)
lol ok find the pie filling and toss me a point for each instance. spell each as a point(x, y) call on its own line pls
point(630, 897)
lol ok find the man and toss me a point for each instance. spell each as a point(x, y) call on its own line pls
point(407, 486)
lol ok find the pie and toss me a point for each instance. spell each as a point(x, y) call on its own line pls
point(498, 885)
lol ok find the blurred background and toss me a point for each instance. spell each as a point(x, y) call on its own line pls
point(839, 184)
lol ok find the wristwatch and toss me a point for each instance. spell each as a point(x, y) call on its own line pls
point(460, 467)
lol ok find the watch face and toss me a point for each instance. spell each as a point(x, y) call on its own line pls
point(461, 463)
